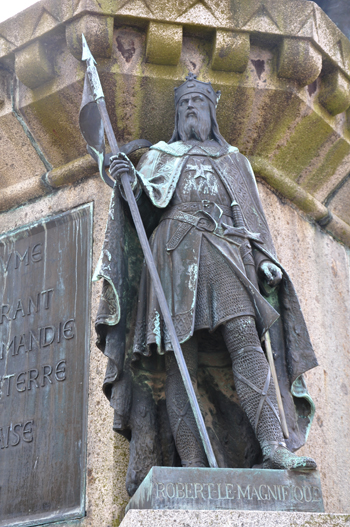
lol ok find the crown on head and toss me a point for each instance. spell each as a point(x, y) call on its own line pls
point(192, 85)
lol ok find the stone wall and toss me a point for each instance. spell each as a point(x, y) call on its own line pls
point(283, 69)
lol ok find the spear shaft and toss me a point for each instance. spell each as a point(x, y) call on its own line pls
point(99, 98)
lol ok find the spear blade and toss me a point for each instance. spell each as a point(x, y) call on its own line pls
point(87, 55)
point(92, 73)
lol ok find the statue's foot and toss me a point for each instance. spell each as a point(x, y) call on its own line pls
point(277, 456)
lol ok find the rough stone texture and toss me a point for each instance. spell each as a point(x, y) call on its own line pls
point(13, 140)
point(164, 43)
point(341, 201)
point(319, 268)
point(335, 93)
point(97, 29)
point(232, 519)
point(33, 66)
point(299, 60)
point(230, 51)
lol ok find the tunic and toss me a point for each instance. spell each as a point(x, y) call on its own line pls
point(180, 269)
point(219, 294)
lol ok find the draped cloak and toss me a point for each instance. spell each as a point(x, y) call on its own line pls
point(120, 266)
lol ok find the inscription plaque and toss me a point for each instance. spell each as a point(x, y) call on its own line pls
point(45, 271)
point(229, 488)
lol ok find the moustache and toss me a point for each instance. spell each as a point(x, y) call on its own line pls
point(191, 113)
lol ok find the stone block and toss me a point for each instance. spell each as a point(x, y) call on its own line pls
point(5, 47)
point(231, 51)
point(98, 31)
point(164, 43)
point(153, 518)
point(335, 92)
point(33, 66)
point(347, 119)
point(22, 192)
point(299, 60)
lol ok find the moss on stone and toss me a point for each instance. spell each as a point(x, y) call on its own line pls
point(329, 164)
point(309, 134)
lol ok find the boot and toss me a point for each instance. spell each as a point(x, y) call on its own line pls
point(276, 455)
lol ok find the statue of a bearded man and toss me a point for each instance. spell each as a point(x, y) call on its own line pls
point(217, 264)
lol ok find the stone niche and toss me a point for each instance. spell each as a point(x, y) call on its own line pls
point(283, 68)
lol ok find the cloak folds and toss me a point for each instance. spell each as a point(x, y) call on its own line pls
point(136, 388)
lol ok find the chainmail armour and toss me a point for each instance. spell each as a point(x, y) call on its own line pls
point(220, 295)
point(253, 379)
point(253, 382)
point(183, 424)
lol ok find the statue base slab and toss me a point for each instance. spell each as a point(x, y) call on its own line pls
point(230, 489)
point(179, 518)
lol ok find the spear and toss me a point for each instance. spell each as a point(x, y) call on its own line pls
point(98, 96)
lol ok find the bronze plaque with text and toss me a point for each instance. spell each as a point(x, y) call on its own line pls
point(45, 271)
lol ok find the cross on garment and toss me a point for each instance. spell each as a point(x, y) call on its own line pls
point(201, 171)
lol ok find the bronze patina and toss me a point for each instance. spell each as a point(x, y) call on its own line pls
point(45, 271)
point(225, 290)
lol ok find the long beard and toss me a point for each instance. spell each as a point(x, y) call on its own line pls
point(195, 127)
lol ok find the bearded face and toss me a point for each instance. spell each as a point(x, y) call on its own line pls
point(194, 121)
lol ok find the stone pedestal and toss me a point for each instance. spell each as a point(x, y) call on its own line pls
point(179, 518)
point(229, 489)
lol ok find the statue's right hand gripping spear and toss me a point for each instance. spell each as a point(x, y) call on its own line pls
point(98, 96)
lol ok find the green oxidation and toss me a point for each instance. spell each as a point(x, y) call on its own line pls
point(247, 483)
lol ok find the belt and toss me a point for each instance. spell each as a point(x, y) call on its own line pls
point(203, 215)
point(196, 206)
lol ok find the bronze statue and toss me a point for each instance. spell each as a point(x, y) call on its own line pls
point(225, 289)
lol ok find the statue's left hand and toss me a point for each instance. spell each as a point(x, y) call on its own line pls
point(270, 273)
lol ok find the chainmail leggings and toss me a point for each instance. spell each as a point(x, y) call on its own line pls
point(253, 381)
point(183, 424)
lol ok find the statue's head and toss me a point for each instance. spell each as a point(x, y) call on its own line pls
point(195, 111)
